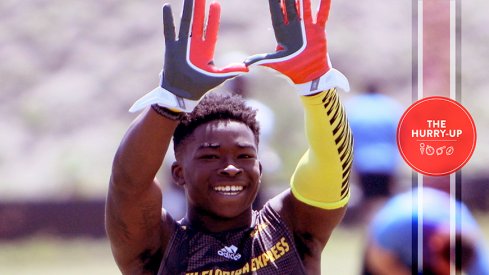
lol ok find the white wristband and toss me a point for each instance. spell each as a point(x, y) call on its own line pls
point(165, 99)
point(332, 79)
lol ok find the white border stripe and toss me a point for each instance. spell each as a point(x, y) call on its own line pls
point(420, 49)
point(453, 52)
point(420, 176)
point(420, 222)
point(453, 214)
point(453, 90)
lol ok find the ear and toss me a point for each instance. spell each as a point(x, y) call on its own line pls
point(177, 173)
point(261, 170)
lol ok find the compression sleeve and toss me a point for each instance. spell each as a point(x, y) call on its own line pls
point(321, 178)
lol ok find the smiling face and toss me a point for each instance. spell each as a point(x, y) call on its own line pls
point(219, 169)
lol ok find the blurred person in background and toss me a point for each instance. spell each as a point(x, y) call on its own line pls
point(390, 238)
point(216, 141)
point(373, 118)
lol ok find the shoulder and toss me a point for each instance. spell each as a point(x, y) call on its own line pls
point(311, 226)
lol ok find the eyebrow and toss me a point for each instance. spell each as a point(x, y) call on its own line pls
point(207, 145)
point(246, 145)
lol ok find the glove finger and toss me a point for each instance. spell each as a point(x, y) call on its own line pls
point(186, 19)
point(198, 19)
point(213, 23)
point(306, 6)
point(265, 58)
point(276, 12)
point(250, 60)
point(168, 24)
point(234, 67)
point(323, 12)
point(291, 9)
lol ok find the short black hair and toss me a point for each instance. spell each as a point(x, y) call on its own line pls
point(216, 106)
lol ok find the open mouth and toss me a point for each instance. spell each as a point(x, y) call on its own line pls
point(229, 190)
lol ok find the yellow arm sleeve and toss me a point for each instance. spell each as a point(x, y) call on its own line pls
point(321, 178)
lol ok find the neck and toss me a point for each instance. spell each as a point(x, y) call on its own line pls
point(209, 222)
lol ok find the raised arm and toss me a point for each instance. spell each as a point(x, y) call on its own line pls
point(134, 201)
point(319, 190)
point(137, 226)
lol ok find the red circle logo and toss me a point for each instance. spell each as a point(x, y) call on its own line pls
point(436, 136)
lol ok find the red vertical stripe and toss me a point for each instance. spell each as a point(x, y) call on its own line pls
point(436, 60)
point(436, 65)
point(436, 48)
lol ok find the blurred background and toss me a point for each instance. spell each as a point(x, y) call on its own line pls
point(69, 71)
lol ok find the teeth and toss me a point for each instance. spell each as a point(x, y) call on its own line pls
point(228, 189)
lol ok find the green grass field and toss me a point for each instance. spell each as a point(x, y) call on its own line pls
point(51, 256)
point(56, 256)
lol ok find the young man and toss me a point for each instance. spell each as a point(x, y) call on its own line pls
point(215, 141)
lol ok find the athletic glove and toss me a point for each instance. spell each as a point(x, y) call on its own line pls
point(188, 70)
point(301, 53)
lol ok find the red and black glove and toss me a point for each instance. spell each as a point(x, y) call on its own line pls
point(302, 50)
point(188, 70)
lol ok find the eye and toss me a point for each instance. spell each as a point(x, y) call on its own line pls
point(209, 156)
point(247, 156)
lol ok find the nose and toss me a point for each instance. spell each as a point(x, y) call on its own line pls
point(230, 170)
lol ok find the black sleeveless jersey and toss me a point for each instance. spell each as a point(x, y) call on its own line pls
point(265, 248)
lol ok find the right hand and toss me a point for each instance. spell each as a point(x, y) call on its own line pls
point(189, 71)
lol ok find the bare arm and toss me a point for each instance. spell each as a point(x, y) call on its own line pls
point(138, 229)
point(311, 227)
point(134, 215)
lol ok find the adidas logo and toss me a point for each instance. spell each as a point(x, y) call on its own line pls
point(229, 252)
